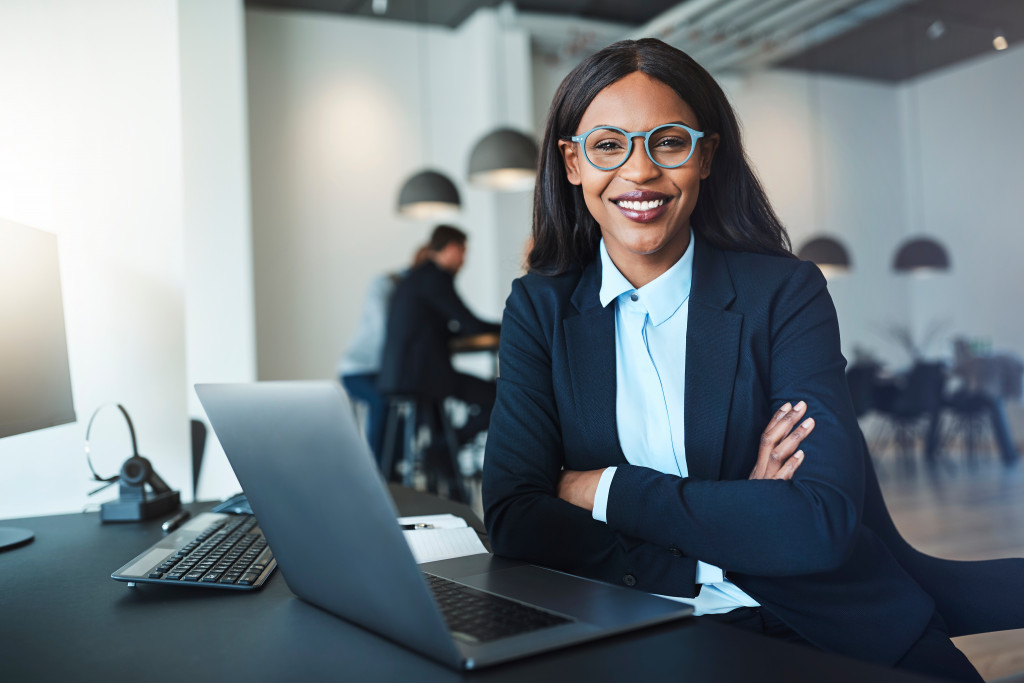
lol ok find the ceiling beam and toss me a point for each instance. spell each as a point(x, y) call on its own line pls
point(814, 28)
point(669, 21)
point(771, 29)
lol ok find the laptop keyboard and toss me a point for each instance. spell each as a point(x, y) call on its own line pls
point(476, 616)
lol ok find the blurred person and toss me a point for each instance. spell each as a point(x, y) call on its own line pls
point(425, 315)
point(359, 367)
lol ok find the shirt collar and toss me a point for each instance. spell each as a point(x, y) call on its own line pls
point(662, 296)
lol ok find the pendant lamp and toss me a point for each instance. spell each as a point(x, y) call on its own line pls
point(920, 256)
point(504, 160)
point(828, 254)
point(427, 194)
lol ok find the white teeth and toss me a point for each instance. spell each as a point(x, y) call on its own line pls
point(641, 206)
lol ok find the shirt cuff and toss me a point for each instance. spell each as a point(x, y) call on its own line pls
point(604, 486)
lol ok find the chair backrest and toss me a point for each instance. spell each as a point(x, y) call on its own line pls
point(198, 450)
point(972, 597)
point(861, 381)
point(923, 393)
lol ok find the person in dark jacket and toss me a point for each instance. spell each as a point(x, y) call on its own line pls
point(663, 325)
point(424, 316)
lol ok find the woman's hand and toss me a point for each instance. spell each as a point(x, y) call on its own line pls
point(579, 488)
point(778, 457)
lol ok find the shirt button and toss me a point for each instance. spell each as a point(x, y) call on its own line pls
point(634, 297)
point(675, 552)
point(629, 580)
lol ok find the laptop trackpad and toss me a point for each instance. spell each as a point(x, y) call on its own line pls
point(589, 601)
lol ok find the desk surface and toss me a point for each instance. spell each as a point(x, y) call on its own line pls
point(63, 618)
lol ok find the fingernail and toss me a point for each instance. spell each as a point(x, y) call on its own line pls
point(808, 423)
point(798, 455)
point(800, 406)
point(786, 408)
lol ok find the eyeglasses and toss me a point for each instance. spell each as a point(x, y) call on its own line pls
point(669, 145)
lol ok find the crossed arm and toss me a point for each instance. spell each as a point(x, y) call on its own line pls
point(777, 457)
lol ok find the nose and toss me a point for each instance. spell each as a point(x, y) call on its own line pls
point(639, 167)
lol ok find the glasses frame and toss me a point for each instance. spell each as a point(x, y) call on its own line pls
point(581, 139)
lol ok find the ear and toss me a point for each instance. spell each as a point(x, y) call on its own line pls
point(708, 146)
point(571, 158)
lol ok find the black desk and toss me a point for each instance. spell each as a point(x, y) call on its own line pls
point(62, 618)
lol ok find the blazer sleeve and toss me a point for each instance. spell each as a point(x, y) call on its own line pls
point(766, 527)
point(450, 306)
point(525, 519)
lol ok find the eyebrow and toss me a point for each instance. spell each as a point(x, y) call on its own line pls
point(610, 125)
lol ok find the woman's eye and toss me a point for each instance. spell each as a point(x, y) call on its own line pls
point(608, 145)
point(671, 143)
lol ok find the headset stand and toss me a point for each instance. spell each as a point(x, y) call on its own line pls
point(11, 537)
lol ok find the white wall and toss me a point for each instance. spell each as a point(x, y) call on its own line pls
point(129, 153)
point(971, 171)
point(335, 129)
point(220, 328)
point(90, 149)
point(827, 150)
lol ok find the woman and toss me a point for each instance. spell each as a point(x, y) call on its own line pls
point(663, 323)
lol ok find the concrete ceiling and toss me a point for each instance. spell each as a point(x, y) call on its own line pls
point(886, 40)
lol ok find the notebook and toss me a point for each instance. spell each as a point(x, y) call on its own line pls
point(307, 473)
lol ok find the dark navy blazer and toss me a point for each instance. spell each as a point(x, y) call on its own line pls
point(762, 331)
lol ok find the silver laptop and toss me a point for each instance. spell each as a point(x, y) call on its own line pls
point(326, 513)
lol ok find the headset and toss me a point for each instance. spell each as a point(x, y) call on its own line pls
point(136, 470)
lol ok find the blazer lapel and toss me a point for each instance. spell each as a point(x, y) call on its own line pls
point(712, 352)
point(590, 338)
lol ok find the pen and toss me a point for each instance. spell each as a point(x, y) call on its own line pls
point(421, 525)
point(175, 521)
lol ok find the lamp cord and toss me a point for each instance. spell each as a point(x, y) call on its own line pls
point(424, 64)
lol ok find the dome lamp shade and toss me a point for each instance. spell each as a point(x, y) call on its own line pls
point(504, 160)
point(428, 195)
point(828, 254)
point(920, 256)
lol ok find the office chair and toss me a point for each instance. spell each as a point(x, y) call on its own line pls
point(909, 406)
point(973, 597)
point(861, 380)
point(439, 461)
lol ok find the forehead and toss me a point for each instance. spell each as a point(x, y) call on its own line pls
point(636, 102)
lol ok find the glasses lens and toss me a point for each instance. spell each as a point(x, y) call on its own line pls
point(606, 147)
point(670, 145)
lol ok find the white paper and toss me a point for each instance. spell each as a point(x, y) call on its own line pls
point(437, 521)
point(429, 545)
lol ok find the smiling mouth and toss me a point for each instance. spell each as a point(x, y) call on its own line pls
point(640, 209)
point(640, 206)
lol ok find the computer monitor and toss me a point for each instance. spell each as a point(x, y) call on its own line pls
point(35, 380)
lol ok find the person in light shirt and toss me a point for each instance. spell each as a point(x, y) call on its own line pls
point(672, 412)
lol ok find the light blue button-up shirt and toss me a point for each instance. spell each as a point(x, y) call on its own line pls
point(650, 374)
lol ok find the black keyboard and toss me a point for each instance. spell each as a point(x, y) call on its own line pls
point(214, 550)
point(476, 616)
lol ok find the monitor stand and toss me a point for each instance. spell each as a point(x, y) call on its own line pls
point(11, 537)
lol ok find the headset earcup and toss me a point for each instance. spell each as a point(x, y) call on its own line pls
point(136, 471)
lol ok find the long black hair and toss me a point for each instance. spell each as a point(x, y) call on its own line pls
point(732, 211)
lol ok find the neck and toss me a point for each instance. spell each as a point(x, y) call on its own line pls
point(640, 269)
